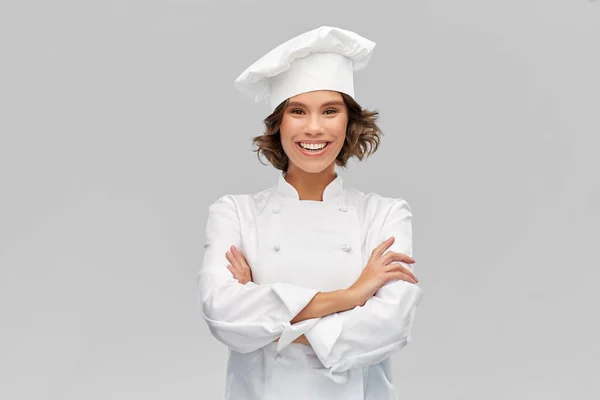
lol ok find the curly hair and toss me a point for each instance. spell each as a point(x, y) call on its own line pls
point(362, 135)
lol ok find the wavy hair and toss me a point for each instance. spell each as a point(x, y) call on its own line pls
point(362, 135)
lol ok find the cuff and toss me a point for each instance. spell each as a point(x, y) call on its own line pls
point(323, 336)
point(292, 332)
point(294, 297)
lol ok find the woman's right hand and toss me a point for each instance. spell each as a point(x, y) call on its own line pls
point(380, 270)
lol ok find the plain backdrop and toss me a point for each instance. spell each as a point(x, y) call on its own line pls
point(120, 124)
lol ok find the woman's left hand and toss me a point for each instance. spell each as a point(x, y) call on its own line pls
point(239, 266)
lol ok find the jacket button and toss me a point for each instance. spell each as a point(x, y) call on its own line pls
point(346, 247)
point(343, 208)
point(276, 210)
point(276, 247)
point(277, 357)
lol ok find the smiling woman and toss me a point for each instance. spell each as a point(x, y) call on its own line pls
point(360, 138)
point(310, 283)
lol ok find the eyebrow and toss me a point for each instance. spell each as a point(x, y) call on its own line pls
point(329, 103)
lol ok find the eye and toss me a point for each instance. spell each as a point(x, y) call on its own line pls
point(296, 109)
point(331, 109)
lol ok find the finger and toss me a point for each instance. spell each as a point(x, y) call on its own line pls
point(240, 265)
point(240, 256)
point(378, 251)
point(241, 259)
point(393, 267)
point(234, 262)
point(395, 256)
point(400, 276)
point(229, 257)
point(239, 276)
point(232, 270)
point(237, 253)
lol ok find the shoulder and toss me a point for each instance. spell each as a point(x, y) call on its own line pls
point(243, 204)
point(376, 206)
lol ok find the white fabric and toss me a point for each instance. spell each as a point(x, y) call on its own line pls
point(321, 59)
point(295, 249)
point(314, 72)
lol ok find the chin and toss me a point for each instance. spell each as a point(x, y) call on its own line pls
point(312, 165)
point(314, 170)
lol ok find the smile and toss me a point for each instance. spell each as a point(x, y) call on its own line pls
point(312, 152)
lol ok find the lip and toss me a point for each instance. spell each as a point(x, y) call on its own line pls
point(308, 153)
point(312, 141)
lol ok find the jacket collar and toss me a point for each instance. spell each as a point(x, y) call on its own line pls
point(333, 190)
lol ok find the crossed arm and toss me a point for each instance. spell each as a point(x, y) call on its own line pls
point(248, 317)
point(324, 303)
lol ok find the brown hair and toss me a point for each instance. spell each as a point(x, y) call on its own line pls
point(362, 135)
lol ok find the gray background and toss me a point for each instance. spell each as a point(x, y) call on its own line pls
point(120, 125)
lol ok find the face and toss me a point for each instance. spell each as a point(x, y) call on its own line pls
point(311, 120)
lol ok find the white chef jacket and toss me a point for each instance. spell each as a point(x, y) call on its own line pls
point(296, 248)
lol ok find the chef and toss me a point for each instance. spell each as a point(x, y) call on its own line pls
point(310, 283)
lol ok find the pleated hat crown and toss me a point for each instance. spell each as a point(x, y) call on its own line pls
point(321, 59)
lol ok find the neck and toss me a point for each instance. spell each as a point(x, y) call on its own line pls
point(310, 186)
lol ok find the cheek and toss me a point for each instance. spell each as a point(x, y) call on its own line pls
point(289, 124)
point(340, 122)
point(339, 127)
point(285, 136)
point(286, 129)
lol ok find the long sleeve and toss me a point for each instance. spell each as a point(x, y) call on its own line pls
point(371, 333)
point(244, 317)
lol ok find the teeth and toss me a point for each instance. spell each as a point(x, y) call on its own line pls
point(313, 146)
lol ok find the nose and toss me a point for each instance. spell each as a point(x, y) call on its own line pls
point(314, 125)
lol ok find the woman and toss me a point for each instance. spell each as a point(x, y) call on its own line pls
point(309, 283)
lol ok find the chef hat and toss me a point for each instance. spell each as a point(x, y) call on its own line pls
point(321, 59)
